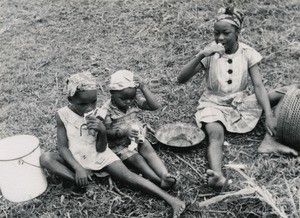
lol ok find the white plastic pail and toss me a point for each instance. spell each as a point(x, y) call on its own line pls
point(21, 177)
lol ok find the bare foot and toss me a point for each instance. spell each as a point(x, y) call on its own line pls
point(214, 179)
point(270, 145)
point(168, 181)
point(178, 208)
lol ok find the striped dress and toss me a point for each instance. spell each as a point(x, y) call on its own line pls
point(227, 97)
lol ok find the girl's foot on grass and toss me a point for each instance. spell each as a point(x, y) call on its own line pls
point(168, 181)
point(178, 208)
point(215, 180)
point(270, 145)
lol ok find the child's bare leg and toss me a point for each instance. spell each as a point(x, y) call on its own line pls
point(138, 162)
point(270, 143)
point(276, 95)
point(215, 132)
point(154, 161)
point(55, 163)
point(119, 171)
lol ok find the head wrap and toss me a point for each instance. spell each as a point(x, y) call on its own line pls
point(80, 82)
point(121, 79)
point(232, 16)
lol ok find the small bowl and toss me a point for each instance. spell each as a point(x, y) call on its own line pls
point(179, 135)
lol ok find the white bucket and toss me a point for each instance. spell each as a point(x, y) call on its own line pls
point(21, 177)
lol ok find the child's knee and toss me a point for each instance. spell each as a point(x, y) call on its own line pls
point(46, 158)
point(136, 159)
point(216, 135)
point(146, 147)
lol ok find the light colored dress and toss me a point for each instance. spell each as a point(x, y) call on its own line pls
point(227, 97)
point(117, 119)
point(83, 147)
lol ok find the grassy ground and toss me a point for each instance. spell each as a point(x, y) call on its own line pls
point(41, 42)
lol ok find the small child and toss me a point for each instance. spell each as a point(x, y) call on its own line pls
point(122, 110)
point(82, 144)
point(226, 103)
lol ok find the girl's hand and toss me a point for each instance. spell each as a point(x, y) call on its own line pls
point(129, 132)
point(216, 48)
point(135, 131)
point(95, 123)
point(82, 176)
point(139, 81)
point(271, 125)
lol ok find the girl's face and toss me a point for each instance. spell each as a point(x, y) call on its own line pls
point(226, 34)
point(123, 99)
point(83, 101)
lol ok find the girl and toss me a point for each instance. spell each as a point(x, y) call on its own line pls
point(122, 112)
point(226, 103)
point(82, 144)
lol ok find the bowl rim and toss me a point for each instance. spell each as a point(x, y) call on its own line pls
point(185, 124)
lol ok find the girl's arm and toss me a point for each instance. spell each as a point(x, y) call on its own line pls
point(151, 103)
point(101, 143)
point(263, 99)
point(191, 68)
point(96, 123)
point(194, 66)
point(81, 174)
point(114, 133)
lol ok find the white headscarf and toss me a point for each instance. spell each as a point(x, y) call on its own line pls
point(121, 79)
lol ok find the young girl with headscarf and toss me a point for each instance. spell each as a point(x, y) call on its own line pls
point(226, 104)
point(122, 113)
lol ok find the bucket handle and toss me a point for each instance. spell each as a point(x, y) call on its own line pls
point(21, 156)
point(21, 162)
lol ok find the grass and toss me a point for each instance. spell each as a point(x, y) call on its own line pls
point(44, 41)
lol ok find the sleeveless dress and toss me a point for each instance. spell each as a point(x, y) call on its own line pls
point(227, 97)
point(83, 147)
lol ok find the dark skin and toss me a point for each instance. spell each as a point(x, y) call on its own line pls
point(146, 161)
point(65, 165)
point(81, 102)
point(226, 38)
point(123, 99)
point(84, 102)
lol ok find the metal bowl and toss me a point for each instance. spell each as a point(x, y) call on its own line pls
point(179, 135)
